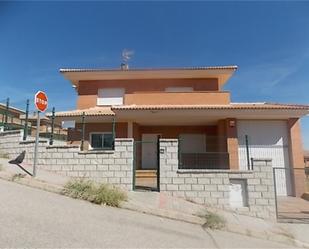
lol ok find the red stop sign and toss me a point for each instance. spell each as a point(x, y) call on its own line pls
point(40, 101)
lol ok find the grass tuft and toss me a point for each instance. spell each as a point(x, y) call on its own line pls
point(96, 193)
point(1, 167)
point(17, 176)
point(213, 220)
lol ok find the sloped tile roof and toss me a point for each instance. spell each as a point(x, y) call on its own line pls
point(65, 70)
point(96, 111)
point(230, 106)
point(108, 111)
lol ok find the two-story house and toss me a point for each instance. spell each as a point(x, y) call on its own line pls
point(191, 105)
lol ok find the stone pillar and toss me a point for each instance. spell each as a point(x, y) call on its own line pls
point(168, 164)
point(261, 194)
point(232, 142)
point(296, 156)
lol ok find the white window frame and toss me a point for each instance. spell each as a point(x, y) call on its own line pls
point(108, 101)
point(98, 133)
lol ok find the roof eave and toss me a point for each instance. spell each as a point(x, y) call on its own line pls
point(223, 73)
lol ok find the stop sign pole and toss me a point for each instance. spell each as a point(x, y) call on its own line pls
point(40, 102)
point(37, 137)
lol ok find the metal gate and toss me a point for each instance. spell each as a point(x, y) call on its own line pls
point(146, 165)
point(292, 208)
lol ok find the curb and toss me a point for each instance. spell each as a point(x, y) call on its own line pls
point(164, 213)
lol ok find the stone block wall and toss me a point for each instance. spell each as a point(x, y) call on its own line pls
point(211, 187)
point(11, 144)
point(109, 166)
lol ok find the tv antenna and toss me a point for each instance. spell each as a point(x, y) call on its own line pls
point(126, 56)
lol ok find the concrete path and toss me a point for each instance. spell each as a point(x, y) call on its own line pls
point(35, 218)
point(42, 175)
point(293, 209)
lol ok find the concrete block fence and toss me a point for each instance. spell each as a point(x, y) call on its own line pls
point(210, 187)
point(110, 166)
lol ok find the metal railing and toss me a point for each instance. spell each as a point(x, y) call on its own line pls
point(292, 193)
point(207, 160)
point(15, 116)
point(211, 152)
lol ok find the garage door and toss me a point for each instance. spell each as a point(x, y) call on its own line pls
point(267, 139)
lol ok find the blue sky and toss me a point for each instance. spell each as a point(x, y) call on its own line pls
point(269, 41)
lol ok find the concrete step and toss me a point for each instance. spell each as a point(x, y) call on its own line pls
point(146, 173)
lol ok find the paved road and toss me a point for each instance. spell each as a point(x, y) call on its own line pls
point(34, 218)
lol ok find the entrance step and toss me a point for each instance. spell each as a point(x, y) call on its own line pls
point(143, 173)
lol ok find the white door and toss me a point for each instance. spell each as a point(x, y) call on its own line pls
point(149, 151)
point(267, 139)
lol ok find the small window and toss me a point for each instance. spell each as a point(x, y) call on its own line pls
point(101, 141)
point(110, 96)
point(178, 89)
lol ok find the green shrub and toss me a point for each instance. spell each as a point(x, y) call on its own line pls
point(17, 176)
point(95, 193)
point(77, 188)
point(213, 220)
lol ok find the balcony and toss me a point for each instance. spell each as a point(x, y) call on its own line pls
point(203, 152)
point(179, 98)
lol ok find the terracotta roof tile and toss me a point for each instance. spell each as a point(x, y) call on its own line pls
point(230, 106)
point(96, 111)
point(65, 70)
point(108, 111)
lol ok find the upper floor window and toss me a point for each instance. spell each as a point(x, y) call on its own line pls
point(178, 89)
point(110, 96)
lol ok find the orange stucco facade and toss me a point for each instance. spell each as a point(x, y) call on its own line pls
point(147, 91)
point(181, 98)
point(134, 90)
point(296, 156)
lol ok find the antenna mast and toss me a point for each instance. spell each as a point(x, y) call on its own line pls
point(126, 56)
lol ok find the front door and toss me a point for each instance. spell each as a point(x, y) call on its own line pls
point(149, 151)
